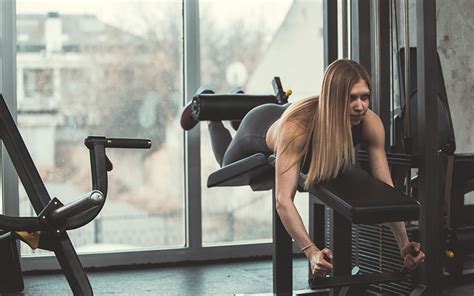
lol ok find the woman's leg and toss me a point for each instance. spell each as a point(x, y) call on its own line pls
point(220, 139)
point(250, 137)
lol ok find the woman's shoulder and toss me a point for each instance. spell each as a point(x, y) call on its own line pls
point(371, 120)
point(372, 127)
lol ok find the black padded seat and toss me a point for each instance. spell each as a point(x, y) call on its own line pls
point(362, 199)
point(254, 170)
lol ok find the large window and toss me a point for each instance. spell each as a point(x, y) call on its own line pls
point(91, 69)
point(115, 68)
point(244, 44)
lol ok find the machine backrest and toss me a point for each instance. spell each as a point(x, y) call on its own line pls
point(445, 124)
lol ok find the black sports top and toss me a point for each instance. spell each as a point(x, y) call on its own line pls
point(356, 139)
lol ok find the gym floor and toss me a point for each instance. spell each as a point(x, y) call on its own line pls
point(222, 278)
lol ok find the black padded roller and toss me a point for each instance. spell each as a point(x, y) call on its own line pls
point(216, 107)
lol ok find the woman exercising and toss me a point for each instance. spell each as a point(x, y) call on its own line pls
point(315, 136)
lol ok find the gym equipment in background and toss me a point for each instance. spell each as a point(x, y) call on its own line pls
point(48, 231)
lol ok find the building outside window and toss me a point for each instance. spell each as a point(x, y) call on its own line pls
point(82, 72)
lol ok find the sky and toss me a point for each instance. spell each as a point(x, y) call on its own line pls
point(112, 11)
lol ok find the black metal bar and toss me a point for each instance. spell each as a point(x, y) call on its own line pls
point(316, 224)
point(429, 195)
point(330, 31)
point(22, 160)
point(407, 72)
point(118, 142)
point(128, 143)
point(381, 54)
point(360, 33)
point(98, 171)
point(71, 266)
point(385, 54)
point(282, 255)
point(341, 247)
point(345, 45)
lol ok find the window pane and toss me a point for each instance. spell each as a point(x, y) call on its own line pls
point(245, 44)
point(87, 68)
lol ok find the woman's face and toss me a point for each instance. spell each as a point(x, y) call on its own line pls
point(359, 101)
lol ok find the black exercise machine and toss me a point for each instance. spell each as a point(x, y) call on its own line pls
point(375, 202)
point(456, 179)
point(48, 231)
point(457, 169)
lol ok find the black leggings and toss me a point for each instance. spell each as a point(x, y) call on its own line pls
point(250, 137)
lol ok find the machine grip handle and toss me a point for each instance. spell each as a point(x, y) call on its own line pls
point(128, 143)
point(91, 141)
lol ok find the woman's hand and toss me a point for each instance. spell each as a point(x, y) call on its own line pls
point(320, 261)
point(412, 255)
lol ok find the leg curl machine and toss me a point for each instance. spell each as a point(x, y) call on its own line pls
point(373, 203)
point(48, 231)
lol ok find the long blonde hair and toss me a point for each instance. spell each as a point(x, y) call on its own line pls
point(325, 122)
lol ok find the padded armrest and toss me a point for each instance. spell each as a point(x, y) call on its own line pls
point(362, 199)
point(254, 170)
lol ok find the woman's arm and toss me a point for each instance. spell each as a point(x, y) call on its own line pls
point(374, 135)
point(287, 173)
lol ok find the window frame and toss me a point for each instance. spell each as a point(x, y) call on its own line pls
point(193, 249)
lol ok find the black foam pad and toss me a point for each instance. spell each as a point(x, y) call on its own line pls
point(253, 170)
point(216, 107)
point(362, 199)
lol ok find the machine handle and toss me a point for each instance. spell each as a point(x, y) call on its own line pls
point(118, 142)
point(128, 143)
